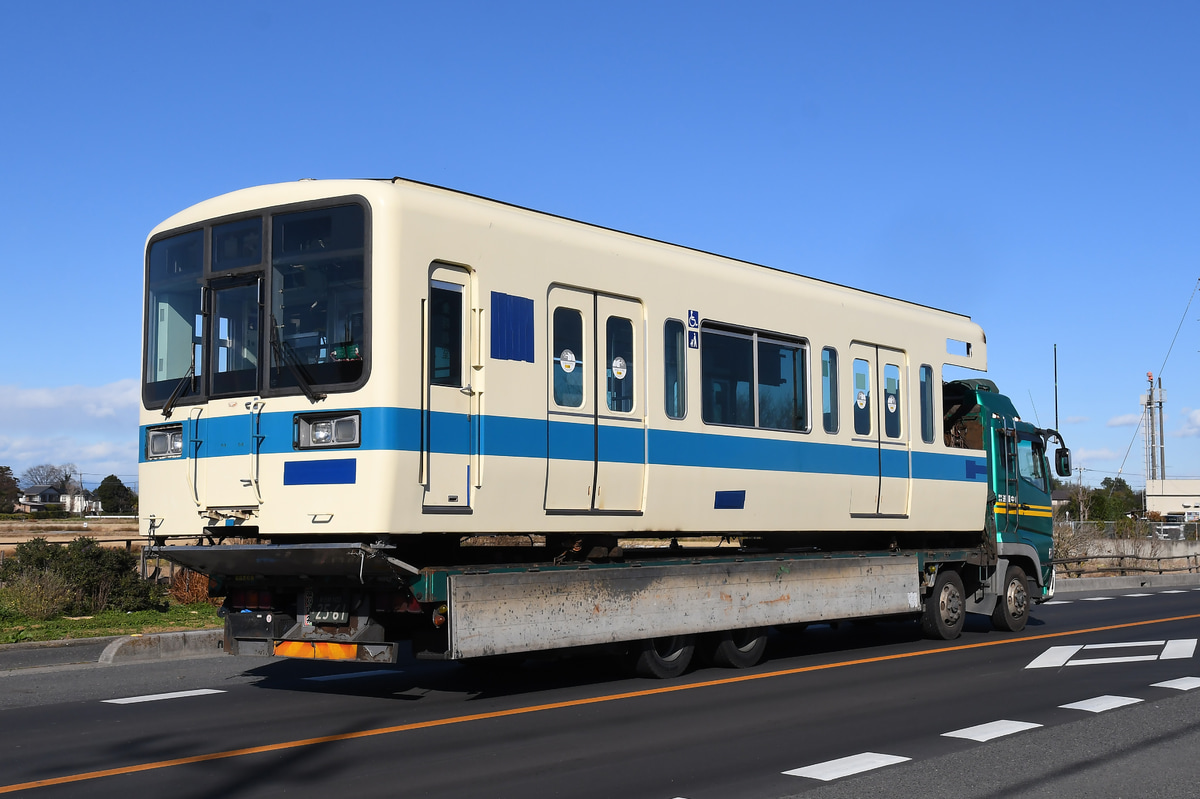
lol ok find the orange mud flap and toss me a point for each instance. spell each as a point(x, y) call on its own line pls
point(328, 650)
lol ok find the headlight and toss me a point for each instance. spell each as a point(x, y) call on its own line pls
point(164, 442)
point(327, 431)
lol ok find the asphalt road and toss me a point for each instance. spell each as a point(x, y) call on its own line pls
point(1098, 697)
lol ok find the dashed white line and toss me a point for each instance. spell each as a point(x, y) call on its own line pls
point(132, 700)
point(1095, 599)
point(1100, 704)
point(1125, 645)
point(1057, 602)
point(1173, 591)
point(1182, 684)
point(1139, 595)
point(991, 730)
point(846, 766)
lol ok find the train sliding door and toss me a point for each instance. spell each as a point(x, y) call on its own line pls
point(881, 487)
point(595, 406)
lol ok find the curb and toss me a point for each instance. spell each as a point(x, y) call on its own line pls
point(164, 646)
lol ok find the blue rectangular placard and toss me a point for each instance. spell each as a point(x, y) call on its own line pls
point(315, 473)
point(730, 500)
point(512, 327)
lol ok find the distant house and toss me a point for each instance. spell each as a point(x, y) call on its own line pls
point(36, 498)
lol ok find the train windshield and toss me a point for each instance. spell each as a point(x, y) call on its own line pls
point(270, 304)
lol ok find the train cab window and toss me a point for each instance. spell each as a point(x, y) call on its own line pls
point(568, 357)
point(926, 378)
point(829, 398)
point(237, 245)
point(891, 400)
point(618, 337)
point(727, 376)
point(862, 397)
point(235, 331)
point(445, 334)
point(781, 386)
point(174, 323)
point(674, 364)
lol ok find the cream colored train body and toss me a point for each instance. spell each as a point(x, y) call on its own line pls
point(329, 359)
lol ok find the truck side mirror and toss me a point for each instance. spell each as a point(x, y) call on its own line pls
point(1062, 462)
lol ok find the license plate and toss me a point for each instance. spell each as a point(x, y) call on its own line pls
point(328, 608)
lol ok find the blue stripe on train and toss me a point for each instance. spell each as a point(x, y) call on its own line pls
point(515, 437)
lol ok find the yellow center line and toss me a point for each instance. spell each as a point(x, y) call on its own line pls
point(518, 711)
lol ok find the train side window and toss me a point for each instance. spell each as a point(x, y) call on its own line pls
point(926, 377)
point(862, 397)
point(445, 334)
point(829, 397)
point(568, 357)
point(618, 335)
point(781, 389)
point(727, 377)
point(891, 400)
point(674, 369)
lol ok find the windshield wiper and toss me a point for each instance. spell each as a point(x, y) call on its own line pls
point(183, 381)
point(284, 353)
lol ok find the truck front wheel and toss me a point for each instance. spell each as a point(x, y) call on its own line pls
point(1012, 606)
point(945, 607)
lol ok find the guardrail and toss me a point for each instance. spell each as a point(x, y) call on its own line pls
point(1127, 564)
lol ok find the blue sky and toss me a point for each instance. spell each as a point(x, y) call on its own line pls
point(1032, 165)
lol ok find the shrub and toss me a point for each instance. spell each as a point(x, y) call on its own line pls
point(98, 578)
point(40, 594)
point(190, 588)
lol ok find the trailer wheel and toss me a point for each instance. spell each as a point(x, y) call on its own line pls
point(945, 608)
point(1012, 606)
point(664, 658)
point(739, 649)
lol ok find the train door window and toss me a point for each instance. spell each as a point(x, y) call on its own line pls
point(1030, 460)
point(727, 377)
point(236, 340)
point(829, 398)
point(568, 357)
point(926, 378)
point(618, 338)
point(891, 400)
point(781, 389)
point(674, 364)
point(445, 334)
point(862, 397)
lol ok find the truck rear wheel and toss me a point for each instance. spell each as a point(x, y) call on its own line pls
point(1012, 606)
point(739, 649)
point(664, 658)
point(945, 607)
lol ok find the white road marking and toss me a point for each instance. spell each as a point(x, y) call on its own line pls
point(1101, 703)
point(846, 766)
point(1054, 657)
point(131, 700)
point(1179, 649)
point(1059, 656)
point(1095, 599)
point(994, 729)
point(353, 675)
point(1174, 591)
point(1139, 595)
point(1182, 684)
point(1058, 602)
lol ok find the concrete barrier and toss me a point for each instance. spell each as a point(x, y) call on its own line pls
point(1068, 585)
point(164, 646)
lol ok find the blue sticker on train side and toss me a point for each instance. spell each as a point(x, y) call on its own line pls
point(342, 471)
point(730, 500)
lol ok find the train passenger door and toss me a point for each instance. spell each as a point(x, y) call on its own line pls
point(881, 487)
point(447, 440)
point(596, 431)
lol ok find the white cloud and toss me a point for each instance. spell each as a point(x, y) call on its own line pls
point(1191, 425)
point(1128, 420)
point(94, 427)
point(1077, 420)
point(1089, 455)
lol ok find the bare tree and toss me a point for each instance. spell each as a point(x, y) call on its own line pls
point(47, 474)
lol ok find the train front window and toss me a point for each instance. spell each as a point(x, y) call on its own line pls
point(318, 290)
point(174, 323)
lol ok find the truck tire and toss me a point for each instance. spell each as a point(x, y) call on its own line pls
point(663, 658)
point(739, 649)
point(945, 607)
point(1012, 606)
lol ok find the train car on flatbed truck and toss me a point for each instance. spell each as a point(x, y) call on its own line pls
point(383, 414)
